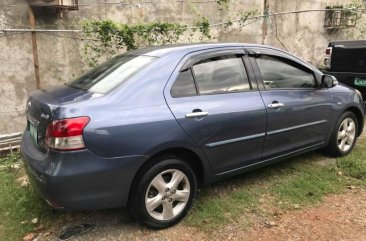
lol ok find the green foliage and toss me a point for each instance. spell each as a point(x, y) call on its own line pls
point(203, 26)
point(353, 5)
point(107, 37)
point(222, 4)
point(349, 8)
point(244, 16)
point(343, 15)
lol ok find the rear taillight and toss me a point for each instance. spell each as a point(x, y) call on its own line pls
point(66, 134)
point(327, 59)
point(328, 51)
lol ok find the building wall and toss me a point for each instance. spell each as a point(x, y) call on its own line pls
point(60, 58)
point(303, 34)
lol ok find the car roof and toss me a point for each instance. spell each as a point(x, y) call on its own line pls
point(160, 51)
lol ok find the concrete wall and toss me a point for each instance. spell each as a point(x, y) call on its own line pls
point(303, 34)
point(60, 58)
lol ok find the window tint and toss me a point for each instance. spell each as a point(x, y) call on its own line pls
point(112, 73)
point(221, 75)
point(279, 73)
point(184, 85)
point(351, 59)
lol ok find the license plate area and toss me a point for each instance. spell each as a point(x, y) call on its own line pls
point(33, 130)
point(360, 82)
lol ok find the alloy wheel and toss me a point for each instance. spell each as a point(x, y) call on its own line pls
point(167, 194)
point(346, 134)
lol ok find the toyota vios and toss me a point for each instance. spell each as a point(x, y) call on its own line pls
point(147, 128)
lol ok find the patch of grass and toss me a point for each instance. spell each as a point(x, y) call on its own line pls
point(18, 204)
point(353, 168)
point(307, 186)
point(354, 165)
point(212, 209)
point(8, 160)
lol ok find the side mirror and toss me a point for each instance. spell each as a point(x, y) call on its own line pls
point(328, 81)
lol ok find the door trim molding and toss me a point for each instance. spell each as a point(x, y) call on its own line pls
point(296, 127)
point(244, 138)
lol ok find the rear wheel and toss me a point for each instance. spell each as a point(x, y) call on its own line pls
point(163, 193)
point(344, 135)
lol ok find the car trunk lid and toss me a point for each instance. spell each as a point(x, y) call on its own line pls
point(44, 106)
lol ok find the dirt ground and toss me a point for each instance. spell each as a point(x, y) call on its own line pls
point(339, 217)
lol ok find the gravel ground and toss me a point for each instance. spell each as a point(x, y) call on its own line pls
point(339, 217)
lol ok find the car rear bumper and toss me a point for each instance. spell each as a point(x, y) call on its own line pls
point(79, 180)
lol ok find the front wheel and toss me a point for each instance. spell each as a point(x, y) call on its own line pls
point(163, 193)
point(344, 135)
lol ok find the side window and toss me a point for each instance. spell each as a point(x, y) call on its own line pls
point(281, 73)
point(184, 85)
point(221, 74)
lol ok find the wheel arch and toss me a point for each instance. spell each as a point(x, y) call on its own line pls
point(187, 155)
point(359, 116)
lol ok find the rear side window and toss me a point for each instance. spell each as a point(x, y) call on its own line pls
point(184, 85)
point(282, 73)
point(112, 73)
point(221, 74)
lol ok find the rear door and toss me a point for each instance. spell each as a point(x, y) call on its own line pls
point(214, 100)
point(297, 110)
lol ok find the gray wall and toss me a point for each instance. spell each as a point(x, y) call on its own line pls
point(60, 58)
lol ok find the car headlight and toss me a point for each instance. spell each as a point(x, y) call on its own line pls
point(359, 94)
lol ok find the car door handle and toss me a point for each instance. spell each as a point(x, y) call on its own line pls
point(275, 105)
point(196, 114)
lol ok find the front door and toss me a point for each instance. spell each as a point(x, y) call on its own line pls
point(220, 109)
point(297, 109)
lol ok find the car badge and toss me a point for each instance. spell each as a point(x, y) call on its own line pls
point(45, 116)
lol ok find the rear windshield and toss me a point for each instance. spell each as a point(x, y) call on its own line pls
point(111, 74)
point(349, 59)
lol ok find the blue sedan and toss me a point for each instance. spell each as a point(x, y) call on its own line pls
point(147, 128)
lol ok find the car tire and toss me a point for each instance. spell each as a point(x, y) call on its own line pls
point(344, 135)
point(163, 192)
